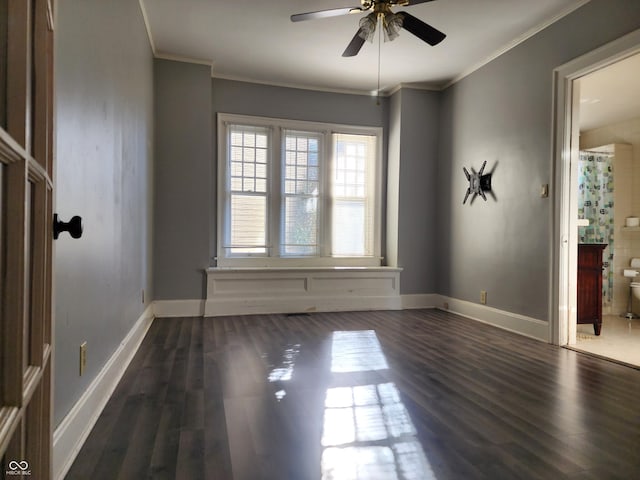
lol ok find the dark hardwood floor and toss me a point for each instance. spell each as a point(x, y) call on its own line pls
point(409, 395)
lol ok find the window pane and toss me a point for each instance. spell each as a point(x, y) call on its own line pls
point(352, 212)
point(349, 228)
point(249, 139)
point(248, 224)
point(248, 185)
point(300, 230)
point(247, 179)
point(301, 225)
point(248, 158)
point(249, 154)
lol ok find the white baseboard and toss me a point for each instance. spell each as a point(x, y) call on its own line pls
point(72, 432)
point(178, 308)
point(520, 324)
point(233, 305)
point(248, 306)
point(254, 306)
point(421, 300)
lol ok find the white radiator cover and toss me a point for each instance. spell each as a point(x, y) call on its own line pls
point(241, 291)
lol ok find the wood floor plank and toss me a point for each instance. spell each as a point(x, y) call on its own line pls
point(190, 462)
point(255, 397)
point(164, 457)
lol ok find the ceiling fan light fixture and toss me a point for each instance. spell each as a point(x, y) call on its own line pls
point(368, 27)
point(392, 25)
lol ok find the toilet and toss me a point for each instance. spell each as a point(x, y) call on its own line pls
point(635, 290)
point(634, 287)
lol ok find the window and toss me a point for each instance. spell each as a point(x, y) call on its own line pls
point(297, 193)
point(301, 177)
point(248, 148)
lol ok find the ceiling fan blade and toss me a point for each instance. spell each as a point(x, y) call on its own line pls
point(410, 3)
point(354, 45)
point(421, 30)
point(334, 12)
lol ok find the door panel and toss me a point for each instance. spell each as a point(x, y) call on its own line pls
point(19, 67)
point(3, 63)
point(26, 212)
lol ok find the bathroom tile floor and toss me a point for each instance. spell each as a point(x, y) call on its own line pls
point(618, 340)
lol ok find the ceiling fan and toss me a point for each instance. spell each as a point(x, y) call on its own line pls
point(380, 11)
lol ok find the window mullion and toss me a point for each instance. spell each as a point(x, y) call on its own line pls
point(224, 224)
point(374, 183)
point(275, 200)
point(326, 173)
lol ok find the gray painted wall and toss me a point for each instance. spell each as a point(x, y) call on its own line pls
point(412, 201)
point(502, 114)
point(104, 115)
point(183, 181)
point(418, 203)
point(393, 179)
point(280, 102)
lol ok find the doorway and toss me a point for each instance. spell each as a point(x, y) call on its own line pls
point(589, 118)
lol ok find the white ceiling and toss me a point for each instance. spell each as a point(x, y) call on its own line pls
point(254, 40)
point(611, 94)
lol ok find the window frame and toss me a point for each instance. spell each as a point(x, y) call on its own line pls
point(276, 128)
point(227, 195)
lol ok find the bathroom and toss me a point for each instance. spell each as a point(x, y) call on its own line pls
point(610, 149)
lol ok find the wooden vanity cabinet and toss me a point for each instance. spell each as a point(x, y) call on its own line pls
point(590, 284)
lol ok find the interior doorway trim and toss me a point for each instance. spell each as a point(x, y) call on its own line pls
point(565, 153)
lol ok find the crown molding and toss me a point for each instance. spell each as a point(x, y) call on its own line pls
point(315, 88)
point(179, 58)
point(145, 18)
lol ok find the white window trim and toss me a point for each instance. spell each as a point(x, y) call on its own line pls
point(275, 124)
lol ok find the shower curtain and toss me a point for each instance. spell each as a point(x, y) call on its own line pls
point(595, 202)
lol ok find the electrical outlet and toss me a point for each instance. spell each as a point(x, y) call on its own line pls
point(83, 357)
point(143, 295)
point(483, 297)
point(445, 305)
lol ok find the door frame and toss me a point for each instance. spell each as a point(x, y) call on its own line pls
point(566, 107)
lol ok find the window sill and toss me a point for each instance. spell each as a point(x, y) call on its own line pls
point(302, 269)
point(296, 262)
